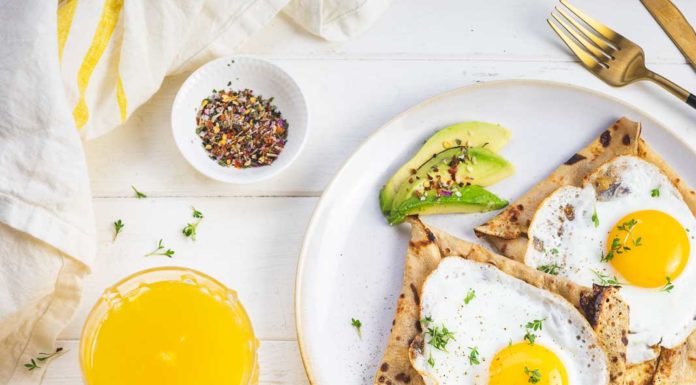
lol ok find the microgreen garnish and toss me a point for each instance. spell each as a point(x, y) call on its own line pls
point(531, 327)
point(668, 285)
point(617, 245)
point(605, 280)
point(554, 251)
point(118, 226)
point(471, 294)
point(357, 325)
point(431, 361)
point(655, 192)
point(474, 356)
point(41, 357)
point(160, 250)
point(551, 268)
point(439, 337)
point(427, 320)
point(190, 229)
point(595, 218)
point(534, 375)
point(138, 194)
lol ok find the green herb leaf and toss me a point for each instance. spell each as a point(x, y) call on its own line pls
point(655, 192)
point(595, 218)
point(160, 251)
point(551, 268)
point(427, 320)
point(431, 361)
point(474, 356)
point(530, 328)
point(138, 194)
point(668, 285)
point(118, 226)
point(190, 229)
point(357, 325)
point(605, 280)
point(471, 294)
point(439, 337)
point(534, 375)
point(41, 357)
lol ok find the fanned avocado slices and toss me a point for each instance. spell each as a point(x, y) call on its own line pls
point(448, 173)
point(457, 165)
point(471, 134)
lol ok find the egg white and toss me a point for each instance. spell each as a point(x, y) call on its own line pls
point(656, 317)
point(495, 318)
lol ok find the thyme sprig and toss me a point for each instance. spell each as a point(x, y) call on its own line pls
point(534, 375)
point(605, 280)
point(190, 229)
point(439, 337)
point(532, 327)
point(357, 325)
point(41, 357)
point(118, 226)
point(551, 268)
point(619, 246)
point(138, 194)
point(160, 250)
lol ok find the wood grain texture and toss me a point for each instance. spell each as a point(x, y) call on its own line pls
point(251, 236)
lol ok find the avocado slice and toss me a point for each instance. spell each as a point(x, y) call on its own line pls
point(473, 134)
point(467, 199)
point(457, 165)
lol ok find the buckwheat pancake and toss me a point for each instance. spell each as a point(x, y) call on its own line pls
point(600, 306)
point(508, 232)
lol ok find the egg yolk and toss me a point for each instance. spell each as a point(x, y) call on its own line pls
point(524, 363)
point(646, 247)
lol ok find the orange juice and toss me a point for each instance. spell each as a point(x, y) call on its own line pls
point(168, 326)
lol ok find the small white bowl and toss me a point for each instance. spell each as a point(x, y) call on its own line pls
point(265, 79)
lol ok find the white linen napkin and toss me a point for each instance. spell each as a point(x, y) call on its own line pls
point(77, 70)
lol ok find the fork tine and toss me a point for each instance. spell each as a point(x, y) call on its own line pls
point(588, 60)
point(599, 54)
point(602, 29)
point(599, 42)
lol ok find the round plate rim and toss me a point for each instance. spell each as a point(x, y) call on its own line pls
point(467, 88)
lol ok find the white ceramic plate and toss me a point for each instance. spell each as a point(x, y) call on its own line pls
point(352, 262)
point(261, 76)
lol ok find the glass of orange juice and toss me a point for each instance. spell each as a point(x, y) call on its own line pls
point(171, 326)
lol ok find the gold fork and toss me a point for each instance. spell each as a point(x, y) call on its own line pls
point(610, 56)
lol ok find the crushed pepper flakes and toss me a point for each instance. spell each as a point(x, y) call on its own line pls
point(240, 129)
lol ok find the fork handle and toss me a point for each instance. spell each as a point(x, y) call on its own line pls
point(673, 88)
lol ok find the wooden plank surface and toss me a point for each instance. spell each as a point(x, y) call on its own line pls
point(251, 236)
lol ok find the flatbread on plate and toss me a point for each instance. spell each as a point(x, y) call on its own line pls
point(507, 232)
point(601, 306)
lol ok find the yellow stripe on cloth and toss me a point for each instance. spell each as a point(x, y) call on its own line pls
point(66, 11)
point(121, 99)
point(105, 28)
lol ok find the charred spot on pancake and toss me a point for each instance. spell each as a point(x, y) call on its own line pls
point(403, 377)
point(419, 328)
point(626, 140)
point(574, 159)
point(416, 297)
point(605, 138)
point(384, 367)
point(431, 236)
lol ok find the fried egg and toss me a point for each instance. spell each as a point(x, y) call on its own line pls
point(482, 326)
point(629, 226)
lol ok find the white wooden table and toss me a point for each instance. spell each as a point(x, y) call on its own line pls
point(251, 236)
